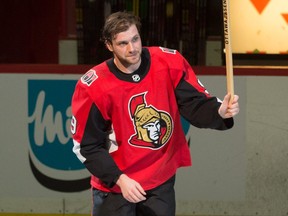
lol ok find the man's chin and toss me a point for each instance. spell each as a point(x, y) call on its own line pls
point(134, 59)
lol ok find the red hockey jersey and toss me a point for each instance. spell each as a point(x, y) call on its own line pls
point(130, 123)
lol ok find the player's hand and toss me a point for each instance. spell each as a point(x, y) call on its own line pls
point(228, 110)
point(131, 190)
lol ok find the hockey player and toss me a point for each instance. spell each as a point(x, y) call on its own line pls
point(126, 121)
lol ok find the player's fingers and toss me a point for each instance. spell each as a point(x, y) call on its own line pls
point(233, 111)
point(135, 197)
point(140, 193)
point(136, 193)
point(140, 189)
point(226, 99)
point(235, 98)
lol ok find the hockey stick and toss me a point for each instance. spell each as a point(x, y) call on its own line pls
point(228, 49)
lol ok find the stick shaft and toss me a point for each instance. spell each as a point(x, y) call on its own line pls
point(228, 49)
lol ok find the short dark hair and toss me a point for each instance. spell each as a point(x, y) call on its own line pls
point(119, 22)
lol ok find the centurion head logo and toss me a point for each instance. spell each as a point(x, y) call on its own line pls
point(153, 127)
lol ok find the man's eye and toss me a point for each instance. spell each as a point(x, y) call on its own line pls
point(135, 39)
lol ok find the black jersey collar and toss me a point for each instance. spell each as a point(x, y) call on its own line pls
point(137, 75)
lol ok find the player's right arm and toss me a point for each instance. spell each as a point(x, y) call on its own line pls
point(90, 132)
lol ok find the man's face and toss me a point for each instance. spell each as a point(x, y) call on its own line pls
point(127, 47)
point(153, 130)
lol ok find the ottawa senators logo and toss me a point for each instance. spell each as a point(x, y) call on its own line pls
point(153, 127)
point(89, 77)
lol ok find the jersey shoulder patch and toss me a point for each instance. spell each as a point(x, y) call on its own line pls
point(168, 50)
point(89, 77)
point(94, 73)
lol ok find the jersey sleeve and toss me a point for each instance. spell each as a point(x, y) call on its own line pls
point(196, 105)
point(90, 133)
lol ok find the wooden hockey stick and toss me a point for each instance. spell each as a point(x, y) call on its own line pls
point(228, 49)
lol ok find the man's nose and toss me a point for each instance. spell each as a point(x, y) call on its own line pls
point(130, 47)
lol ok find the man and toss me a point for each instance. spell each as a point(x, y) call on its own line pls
point(126, 121)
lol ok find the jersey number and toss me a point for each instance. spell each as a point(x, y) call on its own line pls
point(73, 125)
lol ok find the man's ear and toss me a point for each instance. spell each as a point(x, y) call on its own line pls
point(109, 46)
